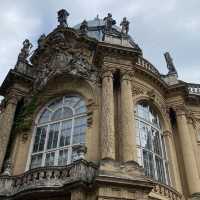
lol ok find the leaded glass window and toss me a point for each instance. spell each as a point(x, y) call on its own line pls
point(151, 152)
point(61, 126)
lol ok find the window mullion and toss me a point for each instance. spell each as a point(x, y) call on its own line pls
point(45, 145)
point(71, 142)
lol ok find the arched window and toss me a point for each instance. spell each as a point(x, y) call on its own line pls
point(60, 127)
point(151, 150)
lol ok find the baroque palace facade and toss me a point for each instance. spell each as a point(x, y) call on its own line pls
point(86, 117)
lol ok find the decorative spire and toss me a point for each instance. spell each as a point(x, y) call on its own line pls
point(62, 17)
point(84, 27)
point(109, 22)
point(125, 26)
point(170, 64)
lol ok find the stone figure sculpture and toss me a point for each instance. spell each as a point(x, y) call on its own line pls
point(170, 64)
point(62, 17)
point(41, 41)
point(25, 51)
point(109, 22)
point(125, 26)
point(84, 27)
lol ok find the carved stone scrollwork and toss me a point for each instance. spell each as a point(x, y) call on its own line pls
point(137, 91)
point(90, 107)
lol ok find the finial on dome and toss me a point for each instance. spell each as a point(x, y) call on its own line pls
point(62, 17)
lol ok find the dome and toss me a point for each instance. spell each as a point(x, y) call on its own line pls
point(96, 29)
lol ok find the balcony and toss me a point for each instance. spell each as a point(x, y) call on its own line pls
point(166, 192)
point(147, 65)
point(193, 88)
point(46, 178)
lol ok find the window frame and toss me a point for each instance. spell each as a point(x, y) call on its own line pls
point(57, 149)
point(164, 157)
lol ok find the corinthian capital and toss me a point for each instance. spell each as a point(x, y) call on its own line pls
point(180, 110)
point(127, 75)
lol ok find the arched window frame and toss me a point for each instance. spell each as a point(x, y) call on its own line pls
point(82, 115)
point(156, 127)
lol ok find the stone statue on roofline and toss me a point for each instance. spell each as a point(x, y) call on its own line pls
point(109, 22)
point(41, 41)
point(62, 17)
point(25, 51)
point(125, 26)
point(84, 27)
point(170, 64)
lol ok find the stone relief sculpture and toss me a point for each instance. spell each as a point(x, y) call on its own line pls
point(25, 51)
point(62, 17)
point(170, 64)
point(125, 26)
point(109, 22)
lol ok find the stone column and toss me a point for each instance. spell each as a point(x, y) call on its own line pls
point(78, 194)
point(107, 117)
point(6, 125)
point(128, 134)
point(190, 164)
point(173, 165)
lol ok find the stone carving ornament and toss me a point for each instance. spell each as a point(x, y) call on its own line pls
point(109, 22)
point(125, 26)
point(25, 51)
point(62, 17)
point(170, 64)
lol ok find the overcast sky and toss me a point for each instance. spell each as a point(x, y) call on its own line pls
point(156, 25)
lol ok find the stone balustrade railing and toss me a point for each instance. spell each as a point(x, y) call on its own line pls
point(193, 88)
point(147, 65)
point(48, 177)
point(166, 191)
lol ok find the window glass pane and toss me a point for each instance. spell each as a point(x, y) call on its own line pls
point(156, 142)
point(71, 101)
point(36, 160)
point(63, 157)
point(80, 107)
point(67, 112)
point(79, 130)
point(65, 133)
point(57, 115)
point(45, 117)
point(53, 136)
point(145, 136)
point(160, 169)
point(56, 104)
point(49, 161)
point(40, 139)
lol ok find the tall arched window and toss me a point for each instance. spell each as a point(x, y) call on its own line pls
point(151, 151)
point(60, 127)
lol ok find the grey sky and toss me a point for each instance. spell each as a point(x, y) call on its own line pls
point(156, 25)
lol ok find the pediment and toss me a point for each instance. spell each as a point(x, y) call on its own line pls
point(63, 51)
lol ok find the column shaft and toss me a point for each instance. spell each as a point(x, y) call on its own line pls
point(127, 120)
point(6, 127)
point(190, 164)
point(107, 117)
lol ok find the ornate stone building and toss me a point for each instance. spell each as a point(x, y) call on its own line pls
point(86, 117)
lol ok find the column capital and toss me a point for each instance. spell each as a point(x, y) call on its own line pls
point(180, 110)
point(127, 75)
point(167, 133)
point(107, 73)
